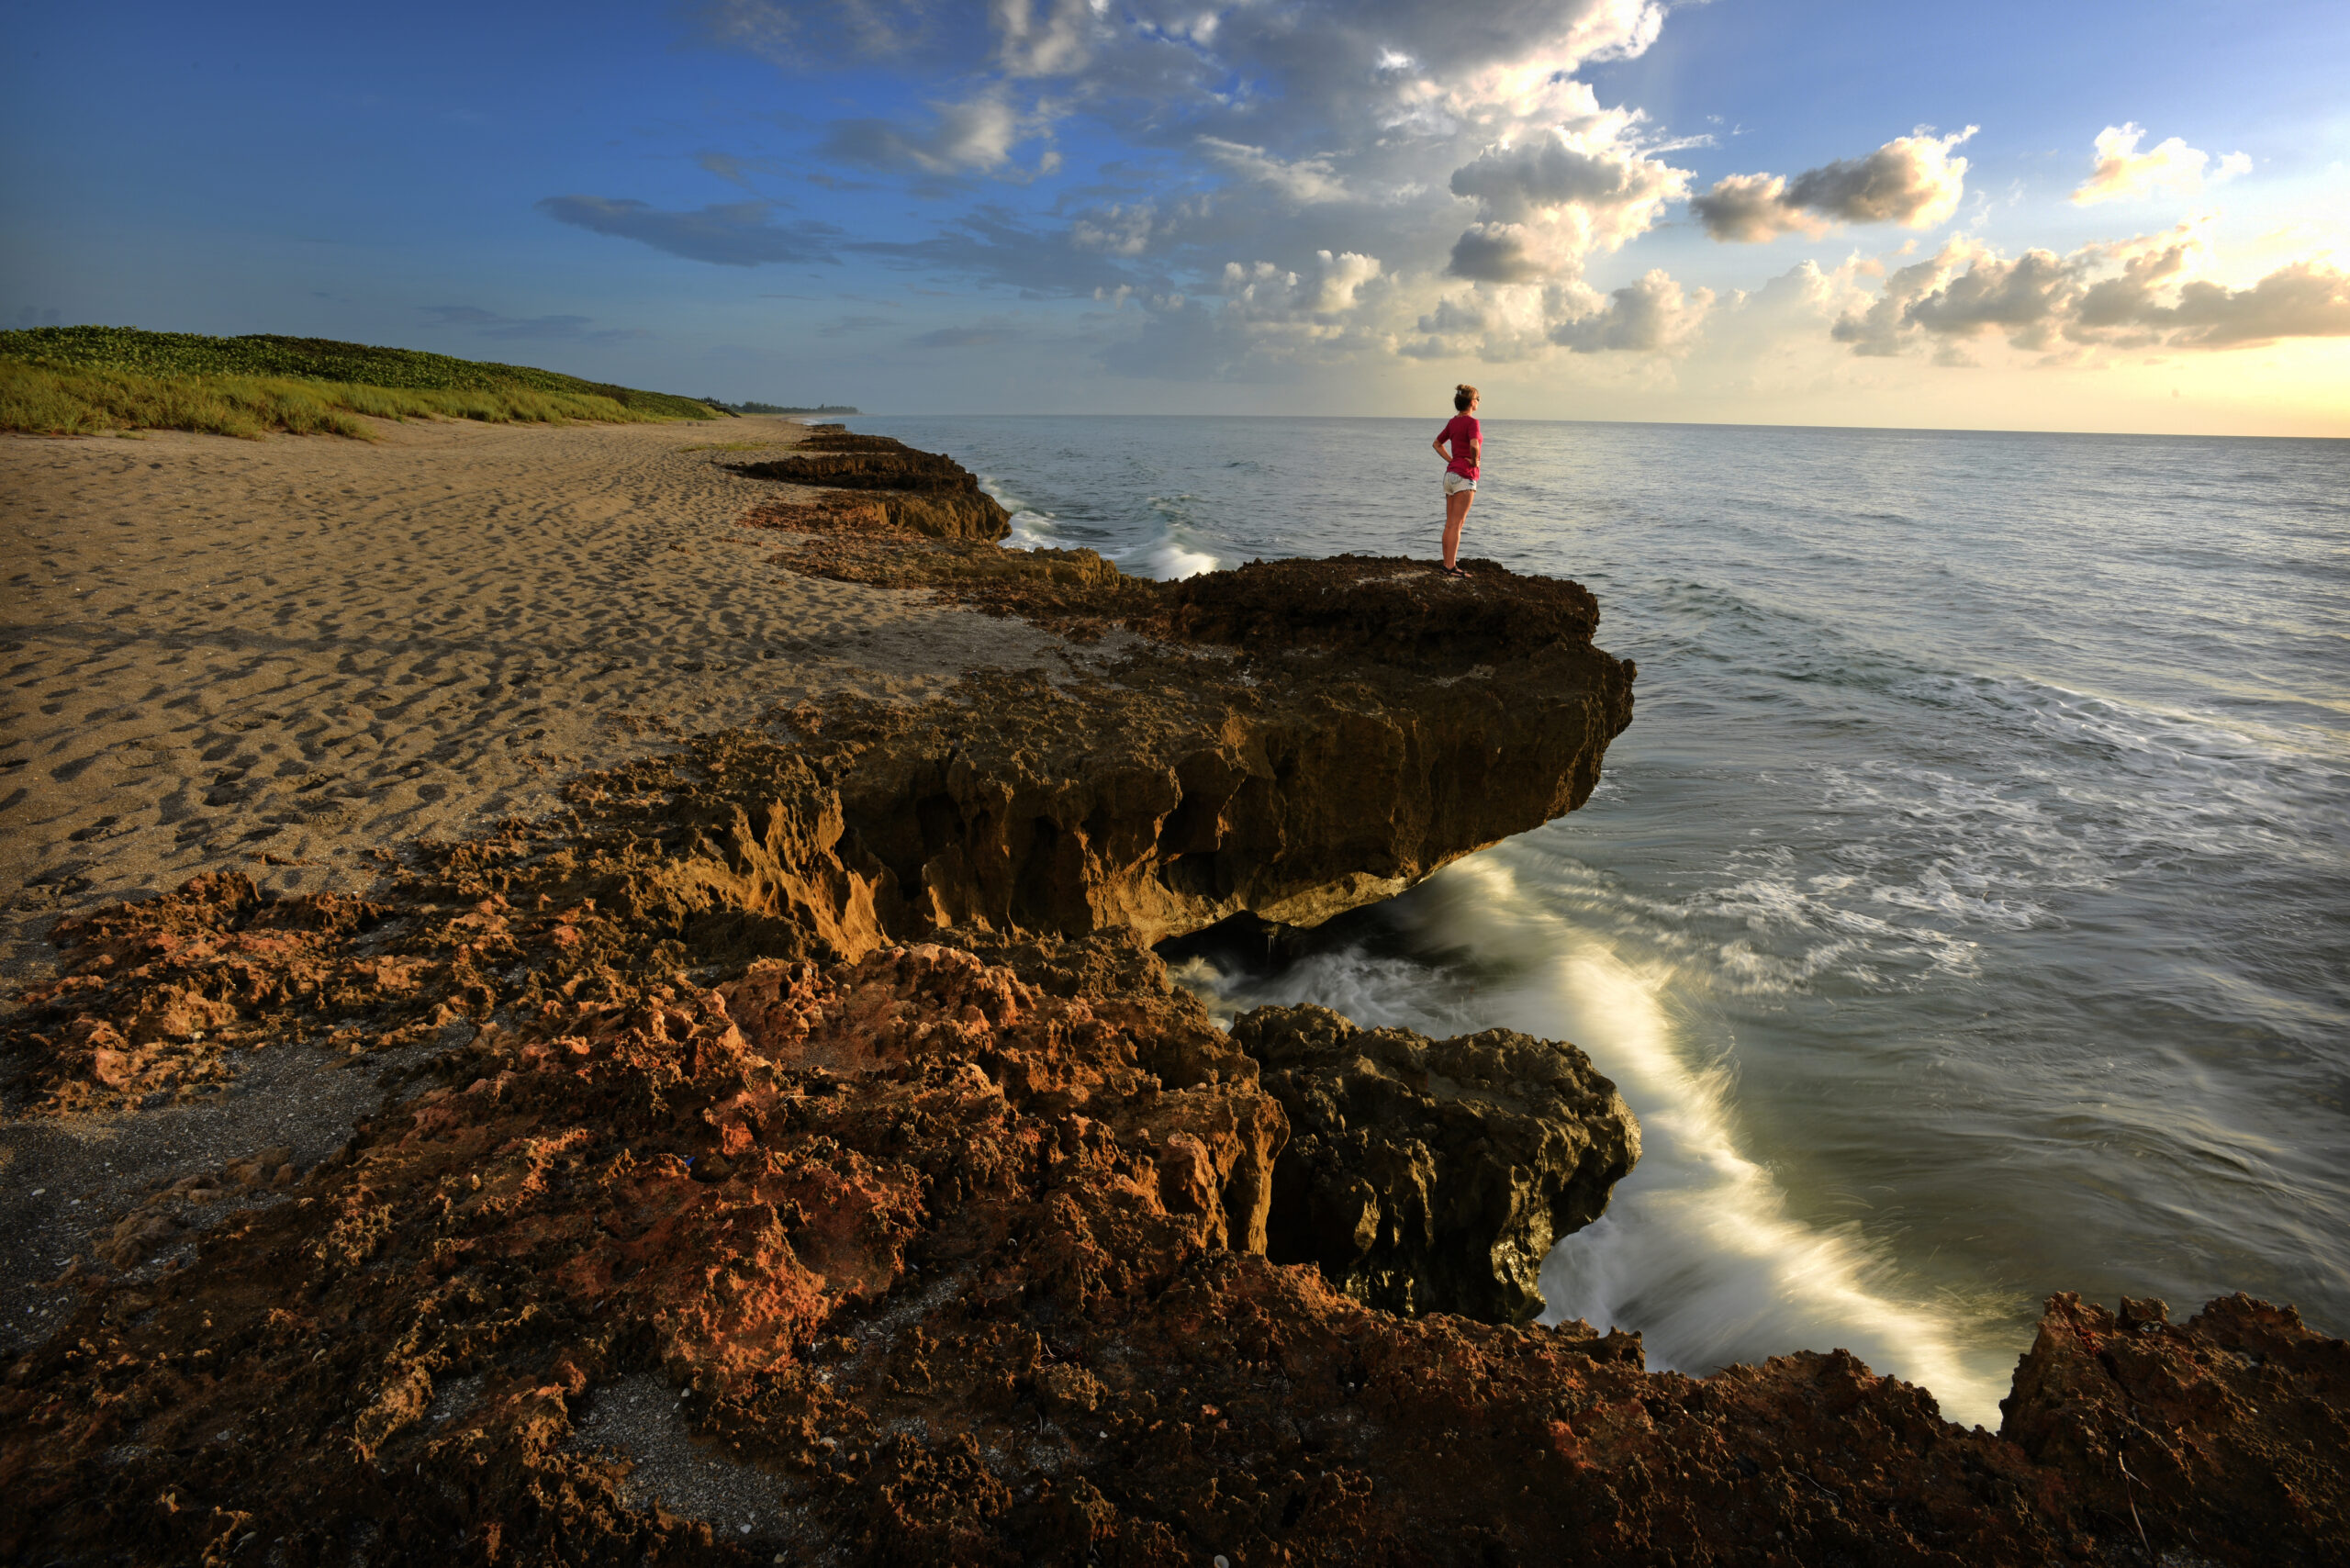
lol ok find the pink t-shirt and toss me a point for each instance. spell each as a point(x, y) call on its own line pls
point(1460, 437)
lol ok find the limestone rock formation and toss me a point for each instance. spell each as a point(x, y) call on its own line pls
point(1386, 607)
point(920, 491)
point(1433, 1175)
point(963, 1261)
point(824, 1078)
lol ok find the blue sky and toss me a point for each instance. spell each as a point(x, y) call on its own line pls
point(1599, 209)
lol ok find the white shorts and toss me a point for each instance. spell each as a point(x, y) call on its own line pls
point(1454, 484)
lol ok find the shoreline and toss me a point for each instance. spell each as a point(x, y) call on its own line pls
point(846, 934)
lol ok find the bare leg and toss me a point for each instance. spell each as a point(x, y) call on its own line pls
point(1456, 512)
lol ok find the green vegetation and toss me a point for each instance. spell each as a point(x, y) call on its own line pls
point(83, 380)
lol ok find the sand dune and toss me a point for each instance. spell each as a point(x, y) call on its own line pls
point(278, 656)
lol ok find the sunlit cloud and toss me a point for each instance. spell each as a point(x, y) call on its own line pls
point(1654, 315)
point(1320, 184)
point(1912, 181)
point(2169, 167)
point(2135, 293)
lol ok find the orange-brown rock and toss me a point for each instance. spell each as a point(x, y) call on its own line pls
point(824, 1078)
point(2232, 1427)
point(967, 1267)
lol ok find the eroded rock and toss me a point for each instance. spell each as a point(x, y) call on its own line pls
point(1433, 1175)
point(964, 1241)
point(2234, 1425)
point(921, 492)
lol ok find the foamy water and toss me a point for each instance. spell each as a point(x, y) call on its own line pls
point(1966, 912)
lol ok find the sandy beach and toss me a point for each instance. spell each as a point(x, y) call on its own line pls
point(281, 655)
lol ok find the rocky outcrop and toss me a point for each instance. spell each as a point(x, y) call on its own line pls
point(963, 1263)
point(1186, 788)
point(1385, 608)
point(1433, 1175)
point(2231, 1426)
point(826, 1080)
point(921, 492)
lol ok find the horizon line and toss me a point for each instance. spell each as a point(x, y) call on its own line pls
point(1674, 424)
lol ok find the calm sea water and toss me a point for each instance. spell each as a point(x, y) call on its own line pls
point(1966, 912)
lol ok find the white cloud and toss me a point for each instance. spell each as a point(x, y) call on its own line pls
point(1549, 200)
point(1912, 180)
point(1652, 316)
point(1048, 38)
point(2133, 294)
point(1263, 292)
point(2170, 166)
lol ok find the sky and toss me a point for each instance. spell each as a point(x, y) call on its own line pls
point(2036, 217)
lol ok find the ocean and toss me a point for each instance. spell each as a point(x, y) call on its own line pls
point(1965, 914)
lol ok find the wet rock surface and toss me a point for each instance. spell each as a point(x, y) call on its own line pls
point(1433, 1175)
point(794, 1133)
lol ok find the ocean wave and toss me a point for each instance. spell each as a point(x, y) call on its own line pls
point(1698, 1251)
point(1175, 553)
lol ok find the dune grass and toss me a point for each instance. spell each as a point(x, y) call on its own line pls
point(88, 380)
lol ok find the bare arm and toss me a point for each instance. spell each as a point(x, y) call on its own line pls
point(1439, 444)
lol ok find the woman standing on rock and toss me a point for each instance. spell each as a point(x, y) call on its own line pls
point(1467, 439)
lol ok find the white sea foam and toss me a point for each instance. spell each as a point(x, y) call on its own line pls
point(1174, 551)
point(1171, 559)
point(1698, 1251)
point(1033, 528)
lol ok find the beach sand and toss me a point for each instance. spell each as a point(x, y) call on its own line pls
point(280, 656)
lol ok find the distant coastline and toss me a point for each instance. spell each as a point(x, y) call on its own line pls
point(781, 409)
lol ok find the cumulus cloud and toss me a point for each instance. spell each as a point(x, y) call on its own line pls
point(1652, 315)
point(1912, 180)
point(2133, 294)
point(1563, 167)
point(1316, 299)
point(1263, 320)
point(1547, 201)
point(1370, 150)
point(737, 234)
point(2170, 166)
